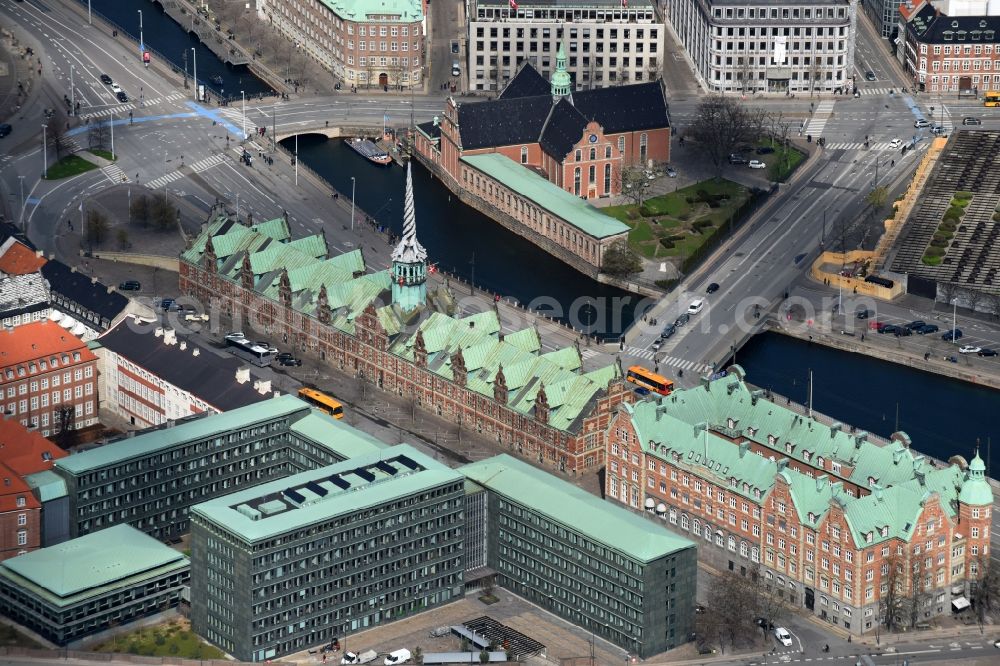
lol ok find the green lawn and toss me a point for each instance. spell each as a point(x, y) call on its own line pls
point(174, 639)
point(783, 162)
point(106, 154)
point(71, 165)
point(673, 216)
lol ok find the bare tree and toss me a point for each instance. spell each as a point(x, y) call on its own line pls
point(98, 136)
point(745, 73)
point(978, 300)
point(721, 124)
point(370, 69)
point(730, 596)
point(65, 423)
point(985, 590)
point(632, 183)
point(396, 71)
point(992, 304)
point(139, 210)
point(814, 73)
point(57, 137)
point(948, 291)
point(892, 602)
point(96, 227)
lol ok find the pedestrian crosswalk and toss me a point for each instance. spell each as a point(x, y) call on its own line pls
point(208, 163)
point(105, 113)
point(163, 181)
point(877, 91)
point(679, 363)
point(859, 145)
point(114, 173)
point(819, 118)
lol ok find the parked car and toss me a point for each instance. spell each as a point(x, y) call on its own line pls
point(106, 80)
point(166, 303)
point(937, 129)
point(927, 328)
point(913, 325)
point(712, 288)
point(864, 314)
point(696, 306)
point(986, 351)
point(657, 343)
point(783, 636)
point(115, 88)
point(122, 97)
point(895, 143)
point(969, 349)
point(365, 657)
point(736, 158)
point(400, 656)
point(683, 319)
point(904, 332)
point(130, 285)
point(757, 164)
point(889, 329)
point(5, 129)
point(290, 361)
point(765, 150)
point(971, 120)
point(668, 332)
point(671, 172)
point(920, 123)
point(952, 335)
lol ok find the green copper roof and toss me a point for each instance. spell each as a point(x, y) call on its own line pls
point(374, 10)
point(153, 441)
point(48, 484)
point(307, 498)
point(83, 567)
point(611, 526)
point(546, 195)
point(900, 481)
point(324, 430)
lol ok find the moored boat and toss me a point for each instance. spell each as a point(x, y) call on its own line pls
point(367, 149)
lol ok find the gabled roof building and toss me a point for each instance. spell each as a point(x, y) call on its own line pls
point(828, 515)
point(390, 329)
point(563, 147)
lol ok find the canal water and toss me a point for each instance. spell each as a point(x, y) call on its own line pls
point(942, 416)
point(168, 40)
point(465, 242)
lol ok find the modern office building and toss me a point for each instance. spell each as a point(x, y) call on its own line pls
point(363, 42)
point(287, 565)
point(23, 453)
point(781, 46)
point(48, 378)
point(150, 480)
point(831, 516)
point(608, 42)
point(605, 569)
point(85, 585)
point(149, 376)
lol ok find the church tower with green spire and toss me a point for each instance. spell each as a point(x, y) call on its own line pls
point(562, 82)
point(409, 259)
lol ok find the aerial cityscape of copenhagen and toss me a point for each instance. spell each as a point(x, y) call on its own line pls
point(557, 332)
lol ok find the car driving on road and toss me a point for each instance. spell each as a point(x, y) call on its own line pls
point(920, 123)
point(783, 637)
point(971, 120)
point(106, 80)
point(895, 143)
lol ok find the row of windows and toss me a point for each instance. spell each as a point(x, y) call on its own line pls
point(26, 318)
point(41, 365)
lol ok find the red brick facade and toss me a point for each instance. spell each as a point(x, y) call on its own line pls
point(816, 564)
point(366, 355)
point(43, 368)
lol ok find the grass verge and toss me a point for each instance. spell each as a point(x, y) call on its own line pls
point(71, 165)
point(174, 639)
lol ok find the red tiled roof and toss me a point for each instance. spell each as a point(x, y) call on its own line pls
point(39, 339)
point(16, 258)
point(26, 451)
point(11, 487)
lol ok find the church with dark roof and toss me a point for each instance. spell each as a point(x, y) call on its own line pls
point(536, 156)
point(578, 140)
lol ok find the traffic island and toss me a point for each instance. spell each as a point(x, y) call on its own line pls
point(69, 166)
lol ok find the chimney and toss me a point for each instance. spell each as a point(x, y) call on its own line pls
point(262, 386)
point(93, 279)
point(169, 336)
point(110, 289)
point(243, 375)
point(158, 332)
point(195, 351)
point(72, 269)
point(835, 428)
point(183, 345)
point(39, 254)
point(744, 447)
point(660, 411)
point(820, 482)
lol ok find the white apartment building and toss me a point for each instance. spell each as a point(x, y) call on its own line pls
point(768, 46)
point(607, 42)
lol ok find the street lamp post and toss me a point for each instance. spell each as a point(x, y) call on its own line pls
point(90, 15)
point(72, 91)
point(112, 123)
point(954, 318)
point(296, 160)
point(21, 182)
point(45, 152)
point(352, 202)
point(243, 94)
point(194, 60)
point(142, 44)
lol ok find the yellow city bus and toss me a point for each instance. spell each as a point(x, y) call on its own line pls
point(640, 376)
point(322, 401)
point(991, 99)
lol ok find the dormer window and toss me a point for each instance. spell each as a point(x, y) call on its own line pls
point(871, 480)
point(788, 447)
point(884, 531)
point(812, 517)
point(869, 537)
point(806, 455)
point(819, 461)
point(771, 439)
point(731, 423)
